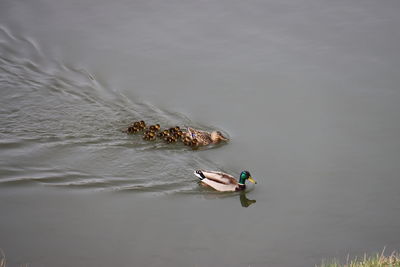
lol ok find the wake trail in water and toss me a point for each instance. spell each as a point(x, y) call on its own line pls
point(60, 126)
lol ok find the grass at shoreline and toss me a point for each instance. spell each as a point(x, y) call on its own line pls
point(379, 260)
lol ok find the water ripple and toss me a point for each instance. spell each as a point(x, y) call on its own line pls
point(61, 127)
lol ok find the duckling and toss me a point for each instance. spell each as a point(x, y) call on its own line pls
point(149, 132)
point(132, 130)
point(170, 139)
point(179, 134)
point(163, 134)
point(171, 130)
point(136, 124)
point(139, 124)
point(149, 135)
point(194, 143)
point(154, 128)
point(145, 135)
point(128, 130)
point(136, 127)
point(175, 129)
point(186, 140)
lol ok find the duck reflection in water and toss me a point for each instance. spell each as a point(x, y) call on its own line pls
point(244, 201)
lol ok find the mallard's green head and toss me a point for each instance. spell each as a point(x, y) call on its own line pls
point(245, 175)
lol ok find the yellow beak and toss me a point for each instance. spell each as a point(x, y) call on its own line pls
point(251, 180)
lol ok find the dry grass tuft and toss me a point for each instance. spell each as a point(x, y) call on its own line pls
point(379, 260)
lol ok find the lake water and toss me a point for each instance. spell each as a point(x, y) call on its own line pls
point(308, 91)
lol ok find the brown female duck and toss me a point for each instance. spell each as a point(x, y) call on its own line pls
point(205, 138)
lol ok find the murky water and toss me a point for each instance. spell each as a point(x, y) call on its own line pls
point(308, 92)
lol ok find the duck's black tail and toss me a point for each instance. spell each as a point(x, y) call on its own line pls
point(199, 174)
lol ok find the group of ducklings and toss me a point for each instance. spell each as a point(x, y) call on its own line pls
point(136, 127)
point(171, 135)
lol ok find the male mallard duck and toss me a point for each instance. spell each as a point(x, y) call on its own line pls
point(224, 182)
point(205, 138)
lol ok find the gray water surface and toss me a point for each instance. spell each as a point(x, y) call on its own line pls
point(308, 92)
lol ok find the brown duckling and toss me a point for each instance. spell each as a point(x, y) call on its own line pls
point(149, 135)
point(175, 129)
point(187, 141)
point(194, 143)
point(139, 124)
point(136, 127)
point(170, 139)
point(142, 125)
point(148, 132)
point(154, 128)
point(132, 130)
point(179, 134)
point(171, 130)
point(163, 134)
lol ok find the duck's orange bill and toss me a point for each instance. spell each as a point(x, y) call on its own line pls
point(251, 180)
